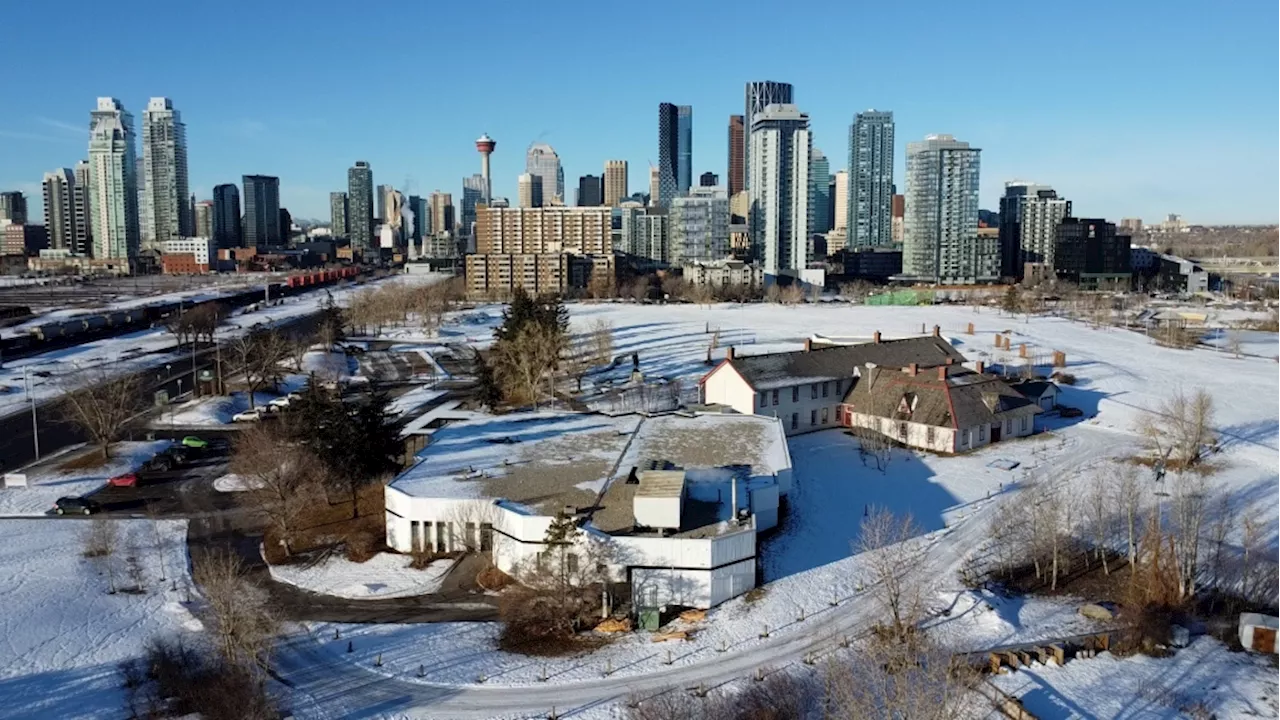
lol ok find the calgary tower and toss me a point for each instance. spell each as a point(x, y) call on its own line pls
point(485, 146)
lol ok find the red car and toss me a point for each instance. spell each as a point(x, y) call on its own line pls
point(126, 480)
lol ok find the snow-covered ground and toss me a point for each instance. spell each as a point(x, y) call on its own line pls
point(64, 634)
point(232, 483)
point(1204, 677)
point(386, 575)
point(46, 482)
point(415, 399)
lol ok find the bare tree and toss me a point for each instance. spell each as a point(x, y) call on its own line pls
point(1223, 522)
point(528, 359)
point(285, 479)
point(100, 540)
point(875, 445)
point(916, 680)
point(1186, 518)
point(101, 405)
point(243, 624)
point(1098, 508)
point(894, 558)
point(640, 289)
point(1235, 343)
point(259, 356)
point(1128, 501)
point(1179, 427)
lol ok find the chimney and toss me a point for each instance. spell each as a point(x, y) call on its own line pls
point(942, 372)
point(979, 367)
point(937, 331)
point(808, 344)
point(950, 360)
point(912, 369)
point(728, 354)
point(876, 338)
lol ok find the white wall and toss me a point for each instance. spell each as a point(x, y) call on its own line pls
point(917, 433)
point(692, 588)
point(726, 387)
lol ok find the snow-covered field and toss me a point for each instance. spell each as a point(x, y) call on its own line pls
point(64, 635)
point(386, 575)
point(46, 483)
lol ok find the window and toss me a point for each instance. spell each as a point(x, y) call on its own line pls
point(1024, 424)
point(795, 420)
point(839, 388)
point(795, 393)
point(764, 399)
point(813, 391)
point(486, 537)
point(1008, 427)
point(982, 433)
point(440, 546)
point(824, 415)
point(824, 389)
point(929, 435)
point(775, 397)
point(902, 431)
point(813, 417)
point(415, 540)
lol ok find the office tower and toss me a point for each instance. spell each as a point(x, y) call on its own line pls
point(1029, 218)
point(262, 211)
point(819, 191)
point(421, 226)
point(83, 242)
point(655, 185)
point(737, 151)
point(899, 219)
point(338, 215)
point(529, 190)
point(871, 180)
point(590, 191)
point(840, 200)
point(1088, 251)
point(699, 228)
point(684, 154)
point(668, 154)
point(286, 227)
point(13, 207)
point(441, 213)
point(644, 233)
point(759, 95)
point(831, 202)
point(474, 192)
point(941, 223)
point(485, 145)
point(380, 198)
point(59, 208)
point(708, 179)
point(141, 177)
point(360, 206)
point(226, 217)
point(615, 181)
point(166, 215)
point(779, 188)
point(113, 182)
point(542, 162)
point(203, 215)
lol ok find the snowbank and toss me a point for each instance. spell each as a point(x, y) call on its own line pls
point(46, 483)
point(232, 483)
point(387, 575)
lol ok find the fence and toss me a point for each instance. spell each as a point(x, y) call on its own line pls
point(902, 297)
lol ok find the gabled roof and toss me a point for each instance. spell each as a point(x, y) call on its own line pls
point(841, 361)
point(964, 399)
point(1033, 389)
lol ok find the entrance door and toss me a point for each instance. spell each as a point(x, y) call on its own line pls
point(995, 432)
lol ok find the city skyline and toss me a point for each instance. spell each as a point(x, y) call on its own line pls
point(1044, 135)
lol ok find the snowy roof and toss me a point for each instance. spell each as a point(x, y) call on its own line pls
point(962, 400)
point(840, 361)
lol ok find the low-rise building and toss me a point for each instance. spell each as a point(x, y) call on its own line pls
point(1088, 251)
point(670, 505)
point(497, 275)
point(22, 238)
point(725, 273)
point(1181, 275)
point(190, 256)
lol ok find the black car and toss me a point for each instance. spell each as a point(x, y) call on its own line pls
point(75, 505)
point(160, 463)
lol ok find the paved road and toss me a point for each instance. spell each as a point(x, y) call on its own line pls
point(321, 685)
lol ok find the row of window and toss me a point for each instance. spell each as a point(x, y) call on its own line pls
point(420, 537)
point(813, 418)
point(814, 389)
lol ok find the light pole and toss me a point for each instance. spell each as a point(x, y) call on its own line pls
point(35, 427)
point(171, 412)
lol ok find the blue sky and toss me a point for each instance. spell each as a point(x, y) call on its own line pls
point(1130, 108)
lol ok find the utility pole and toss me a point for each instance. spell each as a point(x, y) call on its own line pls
point(35, 427)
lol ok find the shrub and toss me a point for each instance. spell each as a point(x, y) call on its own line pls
point(362, 545)
point(541, 621)
point(175, 679)
point(491, 578)
point(1065, 378)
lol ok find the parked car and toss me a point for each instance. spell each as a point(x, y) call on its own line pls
point(163, 462)
point(83, 506)
point(253, 415)
point(283, 402)
point(1069, 412)
point(125, 480)
point(191, 441)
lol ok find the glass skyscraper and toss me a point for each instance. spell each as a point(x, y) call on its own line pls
point(113, 181)
point(226, 216)
point(668, 154)
point(819, 192)
point(941, 243)
point(164, 162)
point(360, 206)
point(684, 154)
point(870, 211)
point(262, 211)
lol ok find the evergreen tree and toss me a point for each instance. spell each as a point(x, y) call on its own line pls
point(519, 311)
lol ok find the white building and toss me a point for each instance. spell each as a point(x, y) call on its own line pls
point(113, 197)
point(699, 227)
point(841, 200)
point(164, 214)
point(723, 273)
point(197, 247)
point(779, 188)
point(678, 530)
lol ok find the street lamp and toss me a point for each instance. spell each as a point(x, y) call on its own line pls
point(35, 427)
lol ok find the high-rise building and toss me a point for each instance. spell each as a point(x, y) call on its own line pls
point(615, 181)
point(831, 202)
point(1090, 252)
point(421, 210)
point(759, 95)
point(668, 154)
point(59, 208)
point(13, 207)
point(82, 207)
point(899, 219)
point(779, 188)
point(166, 215)
point(655, 183)
point(871, 180)
point(684, 155)
point(113, 180)
point(699, 227)
point(529, 190)
point(941, 243)
point(1131, 225)
point(590, 191)
point(584, 231)
point(360, 206)
point(708, 179)
point(474, 191)
point(441, 213)
point(262, 211)
point(542, 162)
point(820, 192)
point(380, 200)
point(737, 151)
point(840, 200)
point(286, 227)
point(1029, 218)
point(204, 219)
point(226, 217)
point(338, 214)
